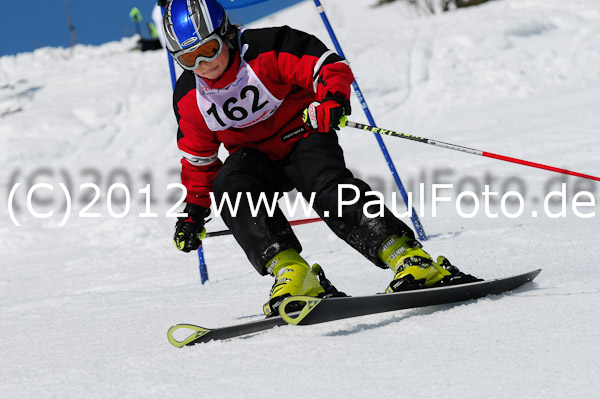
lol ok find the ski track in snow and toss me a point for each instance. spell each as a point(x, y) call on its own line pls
point(85, 308)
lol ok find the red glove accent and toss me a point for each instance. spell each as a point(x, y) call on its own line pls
point(325, 117)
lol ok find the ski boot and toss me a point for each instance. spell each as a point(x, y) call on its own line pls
point(415, 269)
point(293, 276)
point(456, 276)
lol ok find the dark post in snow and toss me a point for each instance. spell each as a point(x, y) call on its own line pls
point(70, 25)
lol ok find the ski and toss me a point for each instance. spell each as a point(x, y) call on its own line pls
point(317, 310)
point(201, 334)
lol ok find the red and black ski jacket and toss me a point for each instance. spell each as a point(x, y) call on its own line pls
point(257, 103)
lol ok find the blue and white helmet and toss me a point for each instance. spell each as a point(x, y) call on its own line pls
point(189, 23)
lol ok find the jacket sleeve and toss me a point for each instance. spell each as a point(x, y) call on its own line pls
point(302, 60)
point(197, 145)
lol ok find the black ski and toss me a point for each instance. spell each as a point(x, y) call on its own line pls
point(201, 334)
point(318, 310)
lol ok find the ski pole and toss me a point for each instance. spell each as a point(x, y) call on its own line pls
point(292, 223)
point(472, 151)
point(386, 155)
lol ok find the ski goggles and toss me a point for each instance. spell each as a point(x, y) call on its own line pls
point(207, 50)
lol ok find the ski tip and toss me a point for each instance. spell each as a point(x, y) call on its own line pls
point(533, 274)
point(196, 333)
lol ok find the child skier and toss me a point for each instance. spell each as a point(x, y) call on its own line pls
point(247, 89)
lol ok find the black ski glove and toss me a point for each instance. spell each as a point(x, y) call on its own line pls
point(189, 231)
point(162, 3)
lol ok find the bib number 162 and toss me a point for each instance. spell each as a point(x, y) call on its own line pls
point(236, 112)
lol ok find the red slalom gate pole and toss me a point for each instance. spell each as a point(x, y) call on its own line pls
point(292, 223)
point(539, 166)
point(455, 147)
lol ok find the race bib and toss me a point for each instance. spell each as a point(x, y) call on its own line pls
point(243, 103)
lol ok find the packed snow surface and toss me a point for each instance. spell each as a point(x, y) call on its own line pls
point(85, 302)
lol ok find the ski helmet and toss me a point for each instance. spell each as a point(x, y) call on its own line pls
point(194, 31)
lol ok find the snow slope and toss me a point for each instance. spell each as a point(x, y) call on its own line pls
point(84, 307)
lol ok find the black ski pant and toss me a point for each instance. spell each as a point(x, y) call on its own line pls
point(315, 165)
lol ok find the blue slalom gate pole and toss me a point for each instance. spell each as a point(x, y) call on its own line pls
point(414, 217)
point(201, 264)
point(172, 70)
point(169, 58)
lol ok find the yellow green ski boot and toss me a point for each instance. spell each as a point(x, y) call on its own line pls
point(293, 276)
point(413, 267)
